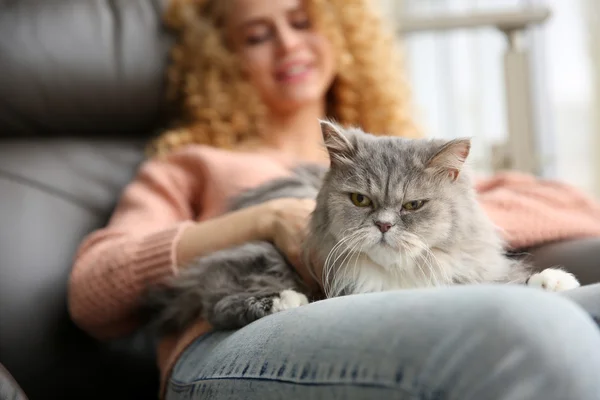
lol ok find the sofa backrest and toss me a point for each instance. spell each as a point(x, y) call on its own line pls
point(81, 67)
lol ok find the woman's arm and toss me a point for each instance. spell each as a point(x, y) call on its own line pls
point(151, 232)
point(225, 231)
point(282, 221)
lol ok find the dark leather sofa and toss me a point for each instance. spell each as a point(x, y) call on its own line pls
point(81, 90)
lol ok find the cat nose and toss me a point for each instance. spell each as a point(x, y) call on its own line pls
point(383, 226)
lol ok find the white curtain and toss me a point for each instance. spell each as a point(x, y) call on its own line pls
point(566, 58)
point(458, 83)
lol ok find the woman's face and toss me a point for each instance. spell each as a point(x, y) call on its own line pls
point(289, 63)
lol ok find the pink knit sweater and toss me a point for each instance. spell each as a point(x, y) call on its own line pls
point(136, 248)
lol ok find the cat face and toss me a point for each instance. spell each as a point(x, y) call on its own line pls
point(393, 199)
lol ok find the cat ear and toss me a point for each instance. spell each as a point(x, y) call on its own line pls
point(450, 159)
point(337, 143)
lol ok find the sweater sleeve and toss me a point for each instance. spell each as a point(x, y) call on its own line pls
point(530, 211)
point(114, 264)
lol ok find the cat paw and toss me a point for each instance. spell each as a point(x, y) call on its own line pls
point(553, 280)
point(288, 299)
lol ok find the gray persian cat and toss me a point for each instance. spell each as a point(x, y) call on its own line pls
point(391, 213)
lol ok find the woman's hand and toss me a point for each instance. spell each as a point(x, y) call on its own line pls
point(286, 224)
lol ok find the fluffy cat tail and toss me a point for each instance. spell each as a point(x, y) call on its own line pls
point(166, 311)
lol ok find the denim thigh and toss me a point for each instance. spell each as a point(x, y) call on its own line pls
point(459, 343)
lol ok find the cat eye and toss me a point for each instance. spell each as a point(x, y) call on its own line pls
point(413, 205)
point(360, 200)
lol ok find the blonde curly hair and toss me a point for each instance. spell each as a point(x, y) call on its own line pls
point(218, 107)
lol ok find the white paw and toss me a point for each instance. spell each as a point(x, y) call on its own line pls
point(553, 280)
point(288, 299)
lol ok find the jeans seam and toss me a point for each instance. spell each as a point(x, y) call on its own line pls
point(415, 393)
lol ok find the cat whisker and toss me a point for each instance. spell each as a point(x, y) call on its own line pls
point(427, 251)
point(432, 258)
point(342, 270)
point(428, 258)
point(344, 245)
point(356, 254)
point(349, 244)
point(412, 252)
point(433, 276)
point(412, 255)
point(335, 248)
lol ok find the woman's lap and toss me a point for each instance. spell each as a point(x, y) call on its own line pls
point(456, 343)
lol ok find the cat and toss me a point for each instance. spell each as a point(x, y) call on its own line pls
point(391, 213)
point(398, 213)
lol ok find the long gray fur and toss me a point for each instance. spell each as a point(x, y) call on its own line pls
point(449, 241)
point(233, 287)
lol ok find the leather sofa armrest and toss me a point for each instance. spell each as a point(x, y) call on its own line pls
point(580, 257)
point(52, 193)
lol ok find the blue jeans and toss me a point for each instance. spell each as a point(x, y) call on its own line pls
point(458, 343)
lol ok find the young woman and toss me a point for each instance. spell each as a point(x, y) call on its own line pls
point(252, 78)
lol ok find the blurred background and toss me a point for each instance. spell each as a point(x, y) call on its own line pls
point(459, 81)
